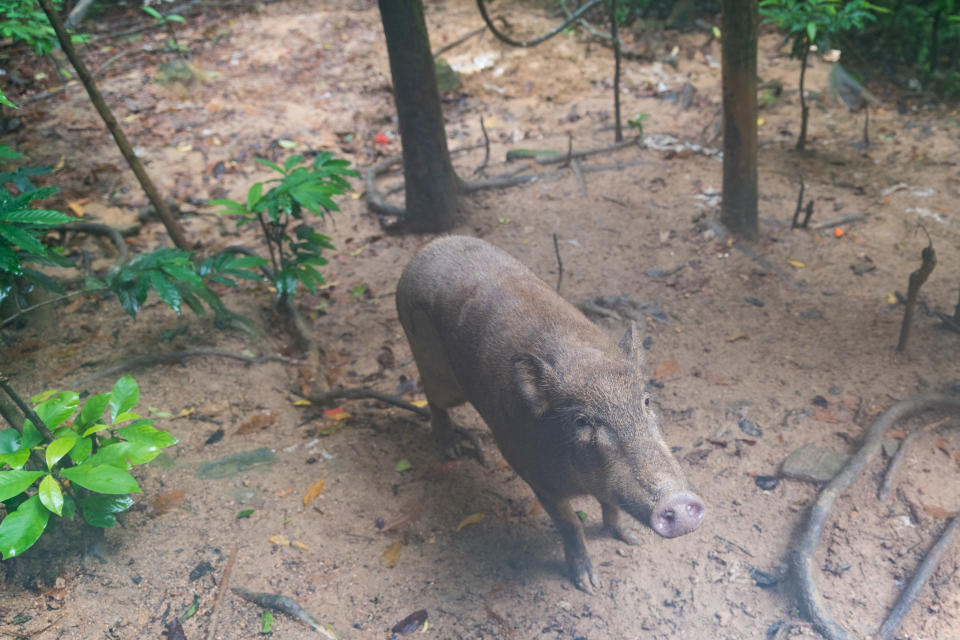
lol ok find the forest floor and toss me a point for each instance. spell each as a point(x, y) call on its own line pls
point(757, 350)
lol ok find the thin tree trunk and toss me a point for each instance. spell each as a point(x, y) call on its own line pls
point(804, 109)
point(618, 135)
point(739, 72)
point(171, 223)
point(431, 185)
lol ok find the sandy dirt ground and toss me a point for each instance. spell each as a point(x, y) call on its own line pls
point(756, 350)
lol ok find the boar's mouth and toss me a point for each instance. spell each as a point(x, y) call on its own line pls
point(674, 515)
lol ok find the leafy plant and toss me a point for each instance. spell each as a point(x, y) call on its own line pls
point(637, 123)
point(166, 21)
point(65, 466)
point(177, 280)
point(815, 22)
point(295, 247)
point(22, 229)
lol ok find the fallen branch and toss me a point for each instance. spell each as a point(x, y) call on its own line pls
point(97, 229)
point(285, 605)
point(556, 249)
point(802, 558)
point(486, 149)
point(157, 358)
point(224, 581)
point(534, 42)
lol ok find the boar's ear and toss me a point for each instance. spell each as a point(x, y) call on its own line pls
point(534, 378)
point(630, 344)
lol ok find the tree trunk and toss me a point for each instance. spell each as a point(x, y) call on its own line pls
point(171, 223)
point(804, 109)
point(431, 184)
point(739, 28)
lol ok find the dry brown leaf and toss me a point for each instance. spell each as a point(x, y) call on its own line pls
point(313, 491)
point(825, 415)
point(164, 502)
point(943, 445)
point(300, 545)
point(666, 369)
point(473, 518)
point(284, 492)
point(257, 422)
point(391, 556)
point(279, 540)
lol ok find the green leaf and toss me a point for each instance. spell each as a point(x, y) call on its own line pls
point(292, 161)
point(50, 495)
point(102, 478)
point(153, 13)
point(266, 622)
point(20, 237)
point(38, 217)
point(125, 416)
point(123, 454)
point(15, 482)
point(175, 17)
point(20, 529)
point(100, 511)
point(267, 163)
point(124, 396)
point(17, 459)
point(93, 410)
point(254, 195)
point(146, 433)
point(166, 290)
point(31, 437)
point(81, 450)
point(58, 408)
point(69, 508)
point(245, 513)
point(403, 465)
point(57, 449)
point(812, 32)
point(10, 440)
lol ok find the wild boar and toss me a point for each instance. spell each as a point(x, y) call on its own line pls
point(567, 407)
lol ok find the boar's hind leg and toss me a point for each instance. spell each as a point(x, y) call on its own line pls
point(611, 520)
point(574, 544)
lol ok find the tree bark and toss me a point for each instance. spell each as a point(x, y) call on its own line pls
point(739, 28)
point(431, 185)
point(171, 223)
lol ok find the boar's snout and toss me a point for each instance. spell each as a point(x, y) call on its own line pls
point(677, 514)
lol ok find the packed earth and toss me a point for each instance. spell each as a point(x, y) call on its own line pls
point(754, 350)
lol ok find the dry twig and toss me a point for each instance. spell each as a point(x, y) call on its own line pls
point(224, 581)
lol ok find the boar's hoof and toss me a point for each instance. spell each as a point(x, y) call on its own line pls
point(581, 572)
point(677, 514)
point(453, 448)
point(624, 535)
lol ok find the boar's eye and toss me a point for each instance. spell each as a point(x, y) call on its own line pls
point(581, 421)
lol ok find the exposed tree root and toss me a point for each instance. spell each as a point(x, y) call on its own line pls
point(149, 360)
point(802, 558)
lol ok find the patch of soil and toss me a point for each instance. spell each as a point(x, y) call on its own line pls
point(793, 335)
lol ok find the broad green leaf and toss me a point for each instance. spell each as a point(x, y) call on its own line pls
point(126, 415)
point(69, 508)
point(59, 448)
point(81, 450)
point(16, 482)
point(254, 195)
point(266, 622)
point(291, 162)
point(125, 395)
point(20, 529)
point(20, 237)
point(58, 408)
point(123, 454)
point(94, 429)
point(102, 478)
point(812, 32)
point(147, 433)
point(182, 273)
point(93, 410)
point(50, 495)
point(100, 511)
point(31, 437)
point(10, 440)
point(165, 290)
point(153, 13)
point(16, 459)
point(38, 217)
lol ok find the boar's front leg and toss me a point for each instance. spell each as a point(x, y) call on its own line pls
point(574, 544)
point(611, 520)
